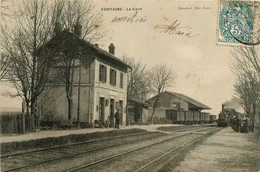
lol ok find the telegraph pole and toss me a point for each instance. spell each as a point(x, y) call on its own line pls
point(23, 117)
point(79, 85)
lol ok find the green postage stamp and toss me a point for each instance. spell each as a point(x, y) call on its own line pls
point(238, 23)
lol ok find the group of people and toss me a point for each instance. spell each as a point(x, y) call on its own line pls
point(110, 121)
point(239, 125)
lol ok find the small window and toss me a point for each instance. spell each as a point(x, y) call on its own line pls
point(112, 77)
point(176, 104)
point(102, 73)
point(121, 80)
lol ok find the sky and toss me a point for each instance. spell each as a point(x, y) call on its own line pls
point(202, 67)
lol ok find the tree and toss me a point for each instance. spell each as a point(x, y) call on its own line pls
point(27, 72)
point(137, 82)
point(68, 14)
point(161, 78)
point(24, 43)
point(64, 67)
point(246, 67)
point(4, 61)
point(80, 18)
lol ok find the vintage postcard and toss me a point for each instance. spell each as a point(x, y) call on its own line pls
point(130, 85)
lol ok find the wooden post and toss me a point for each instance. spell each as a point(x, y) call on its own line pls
point(78, 112)
point(23, 117)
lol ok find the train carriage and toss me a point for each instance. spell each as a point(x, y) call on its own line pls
point(191, 117)
point(213, 118)
point(196, 117)
point(201, 118)
point(180, 117)
point(186, 117)
point(207, 118)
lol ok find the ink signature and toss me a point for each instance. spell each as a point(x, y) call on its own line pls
point(176, 29)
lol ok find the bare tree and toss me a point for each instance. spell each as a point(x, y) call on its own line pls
point(69, 14)
point(4, 61)
point(161, 78)
point(63, 70)
point(28, 73)
point(25, 42)
point(80, 18)
point(246, 67)
point(137, 83)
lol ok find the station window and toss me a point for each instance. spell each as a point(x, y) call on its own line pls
point(121, 80)
point(102, 73)
point(112, 77)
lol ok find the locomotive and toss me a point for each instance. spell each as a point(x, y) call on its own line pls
point(222, 119)
point(226, 115)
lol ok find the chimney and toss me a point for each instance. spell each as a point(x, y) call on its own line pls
point(223, 107)
point(112, 49)
point(77, 29)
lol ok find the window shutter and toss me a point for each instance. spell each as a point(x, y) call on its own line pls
point(115, 78)
point(122, 80)
point(100, 72)
point(111, 82)
point(105, 74)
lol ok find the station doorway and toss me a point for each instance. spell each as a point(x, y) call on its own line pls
point(121, 110)
point(102, 109)
point(112, 112)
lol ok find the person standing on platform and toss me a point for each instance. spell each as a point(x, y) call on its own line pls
point(117, 117)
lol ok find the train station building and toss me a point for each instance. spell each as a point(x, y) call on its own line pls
point(100, 79)
point(178, 108)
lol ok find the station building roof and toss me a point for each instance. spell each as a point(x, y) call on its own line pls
point(193, 102)
point(66, 37)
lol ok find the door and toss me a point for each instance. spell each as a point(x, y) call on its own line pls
point(102, 109)
point(121, 110)
point(172, 115)
point(112, 112)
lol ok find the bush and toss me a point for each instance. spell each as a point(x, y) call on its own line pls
point(145, 123)
point(86, 125)
point(157, 120)
point(49, 119)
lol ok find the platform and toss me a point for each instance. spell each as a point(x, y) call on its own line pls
point(224, 151)
point(57, 133)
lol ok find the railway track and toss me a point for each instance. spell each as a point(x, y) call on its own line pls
point(183, 128)
point(168, 156)
point(73, 144)
point(86, 166)
point(24, 160)
point(69, 151)
point(178, 129)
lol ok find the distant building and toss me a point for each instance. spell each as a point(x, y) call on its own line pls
point(179, 108)
point(138, 111)
point(103, 83)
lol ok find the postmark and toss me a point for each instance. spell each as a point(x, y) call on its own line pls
point(237, 23)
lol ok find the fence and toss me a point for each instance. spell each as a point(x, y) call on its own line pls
point(13, 123)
